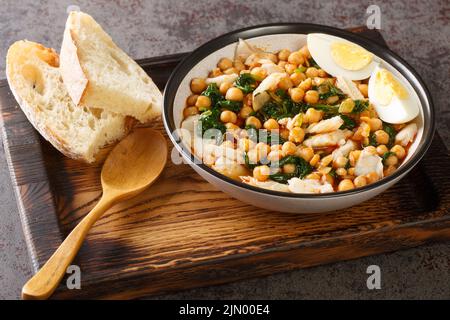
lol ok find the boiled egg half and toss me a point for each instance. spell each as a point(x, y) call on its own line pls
point(392, 97)
point(340, 57)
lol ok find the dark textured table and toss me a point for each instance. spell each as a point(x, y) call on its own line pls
point(417, 30)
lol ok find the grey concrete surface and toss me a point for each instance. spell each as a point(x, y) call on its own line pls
point(418, 30)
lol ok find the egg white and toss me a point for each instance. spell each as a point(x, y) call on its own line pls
point(319, 45)
point(398, 110)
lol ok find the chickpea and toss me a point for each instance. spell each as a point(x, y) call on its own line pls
point(198, 85)
point(360, 181)
point(364, 89)
point(347, 106)
point(245, 144)
point(224, 86)
point(311, 96)
point(282, 64)
point(345, 185)
point(297, 135)
point(290, 68)
point(289, 168)
point(225, 64)
point(289, 148)
point(239, 65)
point(353, 157)
point(297, 78)
point(234, 94)
point(372, 177)
point(190, 111)
point(228, 116)
point(381, 137)
point(314, 160)
point(371, 150)
point(340, 162)
point(253, 121)
point(399, 151)
point(231, 71)
point(322, 73)
point(296, 58)
point(328, 178)
point(382, 149)
point(296, 94)
point(312, 72)
point(391, 160)
point(274, 155)
point(285, 83)
point(305, 152)
point(389, 170)
point(231, 126)
point(203, 102)
point(305, 52)
point(306, 84)
point(375, 124)
point(284, 133)
point(245, 112)
point(283, 55)
point(271, 124)
point(312, 115)
point(351, 171)
point(215, 73)
point(263, 149)
point(313, 176)
point(332, 99)
point(192, 99)
point(341, 172)
point(326, 160)
point(259, 73)
point(276, 147)
point(261, 173)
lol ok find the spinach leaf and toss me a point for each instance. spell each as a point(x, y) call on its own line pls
point(246, 82)
point(349, 123)
point(313, 63)
point(249, 165)
point(234, 106)
point(211, 120)
point(328, 110)
point(360, 106)
point(327, 90)
point(391, 132)
point(212, 92)
point(281, 106)
point(302, 168)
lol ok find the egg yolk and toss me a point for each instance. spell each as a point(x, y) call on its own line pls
point(386, 86)
point(350, 56)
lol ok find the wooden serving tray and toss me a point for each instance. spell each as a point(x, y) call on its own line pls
point(183, 233)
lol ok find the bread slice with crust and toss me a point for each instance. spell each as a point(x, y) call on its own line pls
point(78, 132)
point(97, 73)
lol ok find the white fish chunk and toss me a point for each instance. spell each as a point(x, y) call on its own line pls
point(230, 168)
point(369, 162)
point(349, 88)
point(328, 139)
point(271, 67)
point(270, 83)
point(269, 184)
point(225, 78)
point(188, 129)
point(406, 135)
point(297, 185)
point(344, 150)
point(250, 54)
point(327, 125)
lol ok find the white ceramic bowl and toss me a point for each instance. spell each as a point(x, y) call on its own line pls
point(274, 38)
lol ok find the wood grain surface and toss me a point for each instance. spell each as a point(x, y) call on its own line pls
point(183, 233)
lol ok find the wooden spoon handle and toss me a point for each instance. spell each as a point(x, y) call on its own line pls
point(45, 281)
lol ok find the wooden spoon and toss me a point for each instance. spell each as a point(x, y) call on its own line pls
point(133, 165)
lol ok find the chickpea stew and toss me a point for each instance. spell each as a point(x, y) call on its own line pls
point(281, 121)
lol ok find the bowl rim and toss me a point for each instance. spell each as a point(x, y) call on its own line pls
point(183, 68)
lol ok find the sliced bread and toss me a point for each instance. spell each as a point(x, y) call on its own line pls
point(97, 73)
point(78, 132)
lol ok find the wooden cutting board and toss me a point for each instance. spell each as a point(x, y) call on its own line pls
point(183, 233)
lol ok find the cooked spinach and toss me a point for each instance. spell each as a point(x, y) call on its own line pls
point(234, 106)
point(212, 92)
point(360, 106)
point(302, 168)
point(391, 132)
point(211, 120)
point(327, 90)
point(246, 82)
point(349, 123)
point(280, 106)
point(328, 110)
point(249, 165)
